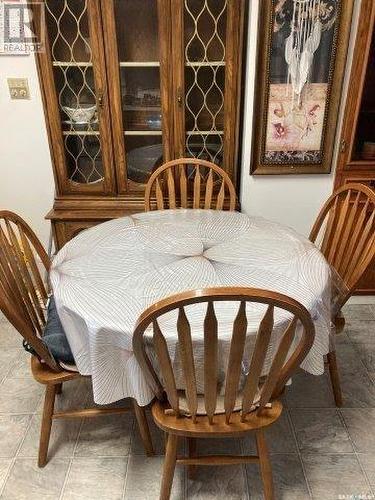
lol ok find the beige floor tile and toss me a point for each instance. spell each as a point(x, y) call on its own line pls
point(361, 426)
point(358, 390)
point(348, 360)
point(21, 366)
point(288, 478)
point(95, 479)
point(27, 481)
point(105, 436)
point(12, 430)
point(20, 395)
point(73, 396)
point(8, 359)
point(358, 311)
point(330, 476)
point(279, 437)
point(220, 446)
point(95, 473)
point(309, 391)
point(219, 483)
point(144, 477)
point(367, 460)
point(157, 436)
point(9, 337)
point(366, 352)
point(342, 338)
point(62, 441)
point(360, 331)
point(5, 464)
point(320, 431)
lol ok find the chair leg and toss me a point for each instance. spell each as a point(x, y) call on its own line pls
point(59, 388)
point(143, 427)
point(169, 467)
point(334, 376)
point(192, 445)
point(165, 441)
point(265, 465)
point(45, 432)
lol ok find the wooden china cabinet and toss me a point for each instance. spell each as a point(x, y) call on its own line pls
point(356, 161)
point(129, 84)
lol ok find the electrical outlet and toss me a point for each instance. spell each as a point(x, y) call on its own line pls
point(18, 88)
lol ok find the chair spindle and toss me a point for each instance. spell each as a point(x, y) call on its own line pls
point(187, 361)
point(210, 361)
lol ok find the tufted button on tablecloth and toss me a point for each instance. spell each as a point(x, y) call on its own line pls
point(108, 275)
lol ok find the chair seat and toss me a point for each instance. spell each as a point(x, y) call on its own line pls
point(54, 336)
point(44, 375)
point(184, 426)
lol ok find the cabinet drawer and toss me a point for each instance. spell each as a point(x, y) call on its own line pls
point(63, 231)
point(344, 178)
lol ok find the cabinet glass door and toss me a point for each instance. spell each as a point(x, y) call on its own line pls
point(204, 51)
point(138, 64)
point(79, 104)
point(364, 142)
point(207, 68)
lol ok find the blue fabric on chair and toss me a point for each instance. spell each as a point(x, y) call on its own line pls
point(54, 336)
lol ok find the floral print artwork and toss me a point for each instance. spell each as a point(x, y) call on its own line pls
point(292, 127)
point(300, 68)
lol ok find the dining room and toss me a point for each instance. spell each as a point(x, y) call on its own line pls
point(187, 249)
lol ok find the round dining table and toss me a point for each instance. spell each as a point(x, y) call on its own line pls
point(105, 277)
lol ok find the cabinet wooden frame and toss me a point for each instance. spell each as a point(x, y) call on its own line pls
point(345, 164)
point(347, 169)
point(79, 205)
point(113, 64)
point(52, 113)
point(265, 30)
point(232, 89)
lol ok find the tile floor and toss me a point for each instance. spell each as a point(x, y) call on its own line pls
point(317, 451)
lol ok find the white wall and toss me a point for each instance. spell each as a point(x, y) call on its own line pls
point(26, 179)
point(293, 200)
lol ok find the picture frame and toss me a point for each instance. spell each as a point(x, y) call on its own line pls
point(301, 62)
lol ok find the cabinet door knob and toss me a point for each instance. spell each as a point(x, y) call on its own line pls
point(100, 99)
point(179, 97)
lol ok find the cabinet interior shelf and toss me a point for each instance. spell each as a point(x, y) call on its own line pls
point(139, 64)
point(142, 132)
point(73, 64)
point(204, 63)
point(80, 132)
point(142, 108)
point(205, 132)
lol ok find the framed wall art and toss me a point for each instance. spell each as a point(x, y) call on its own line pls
point(301, 61)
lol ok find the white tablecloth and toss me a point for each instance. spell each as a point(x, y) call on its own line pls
point(105, 277)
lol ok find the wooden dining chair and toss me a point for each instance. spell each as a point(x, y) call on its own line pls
point(23, 297)
point(345, 233)
point(190, 183)
point(231, 411)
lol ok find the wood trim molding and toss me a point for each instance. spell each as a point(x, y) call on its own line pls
point(261, 100)
point(114, 91)
point(366, 26)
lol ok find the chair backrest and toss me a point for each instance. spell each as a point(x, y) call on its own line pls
point(190, 183)
point(345, 233)
point(23, 294)
point(287, 358)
